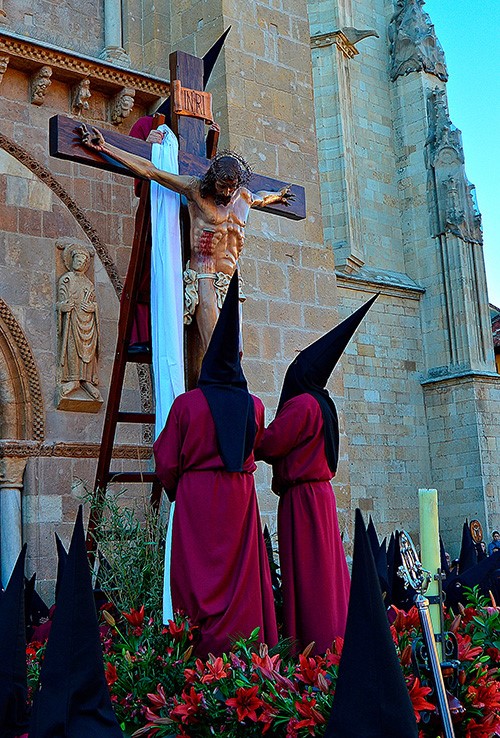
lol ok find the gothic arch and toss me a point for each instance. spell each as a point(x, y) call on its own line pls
point(21, 403)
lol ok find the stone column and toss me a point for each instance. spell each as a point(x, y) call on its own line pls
point(11, 538)
point(113, 32)
point(331, 54)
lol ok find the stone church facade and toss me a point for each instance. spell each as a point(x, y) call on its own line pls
point(347, 98)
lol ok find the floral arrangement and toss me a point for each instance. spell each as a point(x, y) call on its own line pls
point(160, 689)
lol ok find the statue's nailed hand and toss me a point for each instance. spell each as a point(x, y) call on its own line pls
point(94, 140)
point(286, 195)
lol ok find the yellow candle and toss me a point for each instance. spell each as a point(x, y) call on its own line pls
point(430, 555)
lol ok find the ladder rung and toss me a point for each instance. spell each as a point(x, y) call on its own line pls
point(128, 476)
point(135, 417)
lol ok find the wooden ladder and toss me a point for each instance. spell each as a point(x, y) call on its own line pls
point(104, 474)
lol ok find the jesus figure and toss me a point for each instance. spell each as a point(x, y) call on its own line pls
point(219, 204)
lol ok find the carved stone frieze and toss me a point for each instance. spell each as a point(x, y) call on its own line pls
point(122, 105)
point(26, 449)
point(455, 208)
point(80, 96)
point(4, 63)
point(414, 46)
point(102, 74)
point(39, 84)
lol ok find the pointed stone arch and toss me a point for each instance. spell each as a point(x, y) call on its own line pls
point(22, 416)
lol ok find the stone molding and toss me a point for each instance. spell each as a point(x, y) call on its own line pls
point(33, 400)
point(25, 52)
point(461, 377)
point(26, 449)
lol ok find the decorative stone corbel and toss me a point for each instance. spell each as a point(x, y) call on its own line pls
point(4, 63)
point(40, 82)
point(122, 105)
point(3, 14)
point(80, 96)
point(345, 39)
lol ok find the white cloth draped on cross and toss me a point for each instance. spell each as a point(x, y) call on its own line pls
point(167, 308)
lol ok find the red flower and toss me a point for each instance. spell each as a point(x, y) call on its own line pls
point(311, 717)
point(309, 670)
point(189, 710)
point(111, 674)
point(485, 729)
point(466, 651)
point(135, 617)
point(264, 663)
point(176, 630)
point(216, 670)
point(246, 703)
point(158, 698)
point(332, 657)
point(417, 696)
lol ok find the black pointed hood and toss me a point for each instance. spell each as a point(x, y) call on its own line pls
point(35, 608)
point(13, 674)
point(310, 370)
point(62, 557)
point(485, 575)
point(225, 388)
point(208, 64)
point(468, 553)
point(73, 699)
point(442, 557)
point(371, 699)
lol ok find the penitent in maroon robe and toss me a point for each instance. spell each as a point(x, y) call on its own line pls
point(315, 578)
point(219, 569)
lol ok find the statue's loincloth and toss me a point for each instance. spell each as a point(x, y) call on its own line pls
point(220, 282)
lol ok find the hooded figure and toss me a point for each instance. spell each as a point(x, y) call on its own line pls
point(371, 699)
point(13, 674)
point(302, 444)
point(219, 572)
point(73, 699)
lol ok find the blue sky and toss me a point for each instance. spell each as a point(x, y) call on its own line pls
point(469, 31)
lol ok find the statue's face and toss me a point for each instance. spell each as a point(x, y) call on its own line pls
point(224, 190)
point(79, 261)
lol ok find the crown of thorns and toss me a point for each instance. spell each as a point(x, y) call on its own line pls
point(219, 166)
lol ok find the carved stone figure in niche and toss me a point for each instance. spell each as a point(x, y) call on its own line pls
point(78, 329)
point(81, 96)
point(122, 105)
point(40, 83)
point(413, 43)
point(454, 206)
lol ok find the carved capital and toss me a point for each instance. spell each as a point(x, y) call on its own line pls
point(11, 472)
point(122, 105)
point(116, 55)
point(80, 96)
point(40, 82)
point(4, 63)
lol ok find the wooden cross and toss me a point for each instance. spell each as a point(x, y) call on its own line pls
point(65, 143)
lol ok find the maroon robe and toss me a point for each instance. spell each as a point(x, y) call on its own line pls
point(315, 578)
point(219, 569)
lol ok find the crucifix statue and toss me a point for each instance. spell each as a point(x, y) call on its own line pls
point(220, 193)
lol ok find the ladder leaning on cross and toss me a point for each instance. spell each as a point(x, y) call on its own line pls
point(65, 143)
